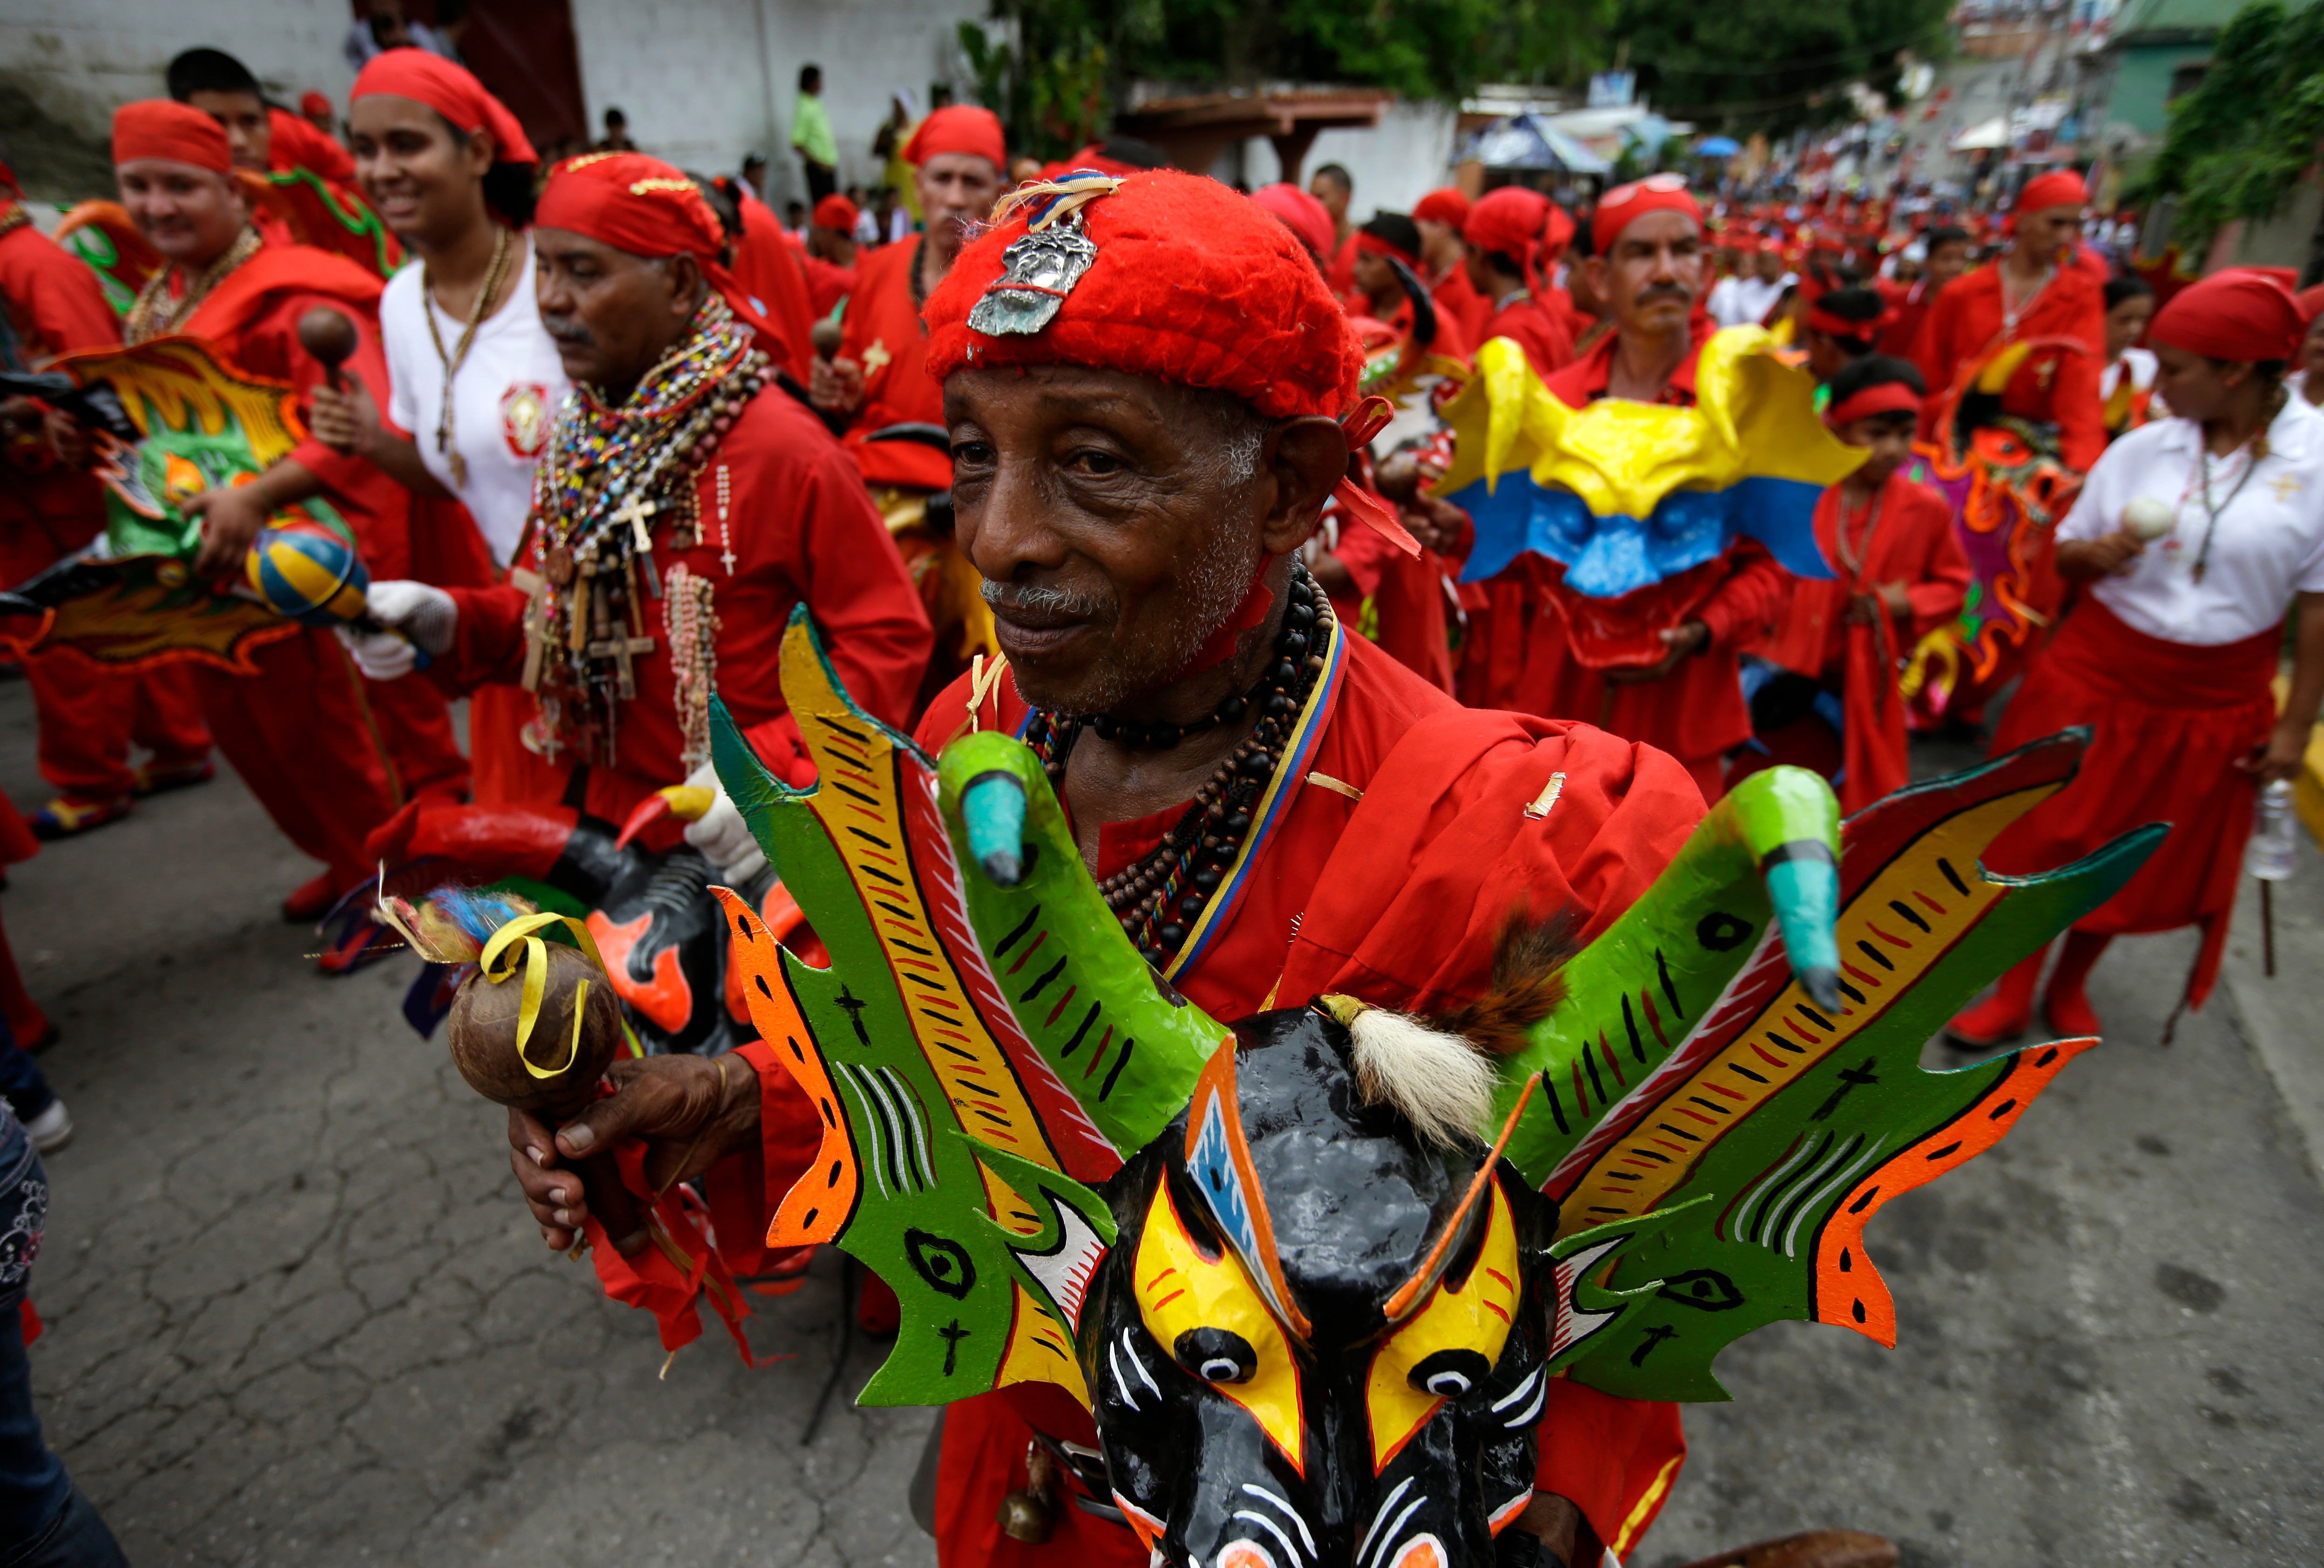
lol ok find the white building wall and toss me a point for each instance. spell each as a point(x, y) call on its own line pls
point(79, 59)
point(704, 82)
point(1409, 156)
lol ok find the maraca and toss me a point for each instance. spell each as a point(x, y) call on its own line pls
point(330, 338)
point(2146, 520)
point(309, 574)
point(534, 1027)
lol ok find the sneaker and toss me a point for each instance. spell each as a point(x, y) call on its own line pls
point(310, 900)
point(159, 778)
point(65, 817)
point(53, 1128)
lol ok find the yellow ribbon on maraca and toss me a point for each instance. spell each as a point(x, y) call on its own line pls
point(500, 960)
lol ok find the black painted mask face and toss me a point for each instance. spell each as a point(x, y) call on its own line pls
point(1346, 1370)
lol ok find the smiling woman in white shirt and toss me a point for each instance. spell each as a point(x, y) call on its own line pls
point(477, 380)
point(2193, 536)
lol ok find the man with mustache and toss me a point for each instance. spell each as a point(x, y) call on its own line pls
point(1134, 475)
point(1649, 265)
point(878, 377)
point(686, 503)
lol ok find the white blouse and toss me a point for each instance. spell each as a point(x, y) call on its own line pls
point(2267, 542)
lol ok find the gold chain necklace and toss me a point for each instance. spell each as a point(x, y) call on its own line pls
point(153, 314)
point(452, 362)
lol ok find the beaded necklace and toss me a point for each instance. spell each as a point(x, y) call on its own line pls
point(1159, 899)
point(606, 472)
point(155, 313)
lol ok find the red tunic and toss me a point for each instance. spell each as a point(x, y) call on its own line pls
point(2171, 719)
point(1534, 327)
point(827, 284)
point(52, 298)
point(2055, 384)
point(884, 334)
point(1457, 297)
point(1909, 308)
point(1911, 541)
point(1340, 272)
point(1398, 900)
point(802, 530)
point(769, 268)
point(1696, 711)
point(1408, 596)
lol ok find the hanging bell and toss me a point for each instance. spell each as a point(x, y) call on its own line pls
point(1029, 1513)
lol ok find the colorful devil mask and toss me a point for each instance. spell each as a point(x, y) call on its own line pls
point(1308, 1334)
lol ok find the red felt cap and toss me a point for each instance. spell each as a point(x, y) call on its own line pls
point(1446, 206)
point(2242, 313)
point(1192, 284)
point(2059, 188)
point(1623, 205)
point(311, 102)
point(452, 91)
point(1303, 214)
point(835, 211)
point(177, 133)
point(959, 128)
point(1509, 220)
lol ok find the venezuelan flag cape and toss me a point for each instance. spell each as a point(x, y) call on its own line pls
point(1625, 495)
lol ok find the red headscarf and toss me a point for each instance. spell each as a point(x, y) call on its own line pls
point(647, 208)
point(1303, 214)
point(179, 133)
point(959, 128)
point(2241, 313)
point(1886, 397)
point(1371, 244)
point(1446, 206)
point(1623, 205)
point(2059, 188)
point(1509, 220)
point(835, 211)
point(452, 91)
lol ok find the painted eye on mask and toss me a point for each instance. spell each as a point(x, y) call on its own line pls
point(1216, 1355)
point(1449, 1344)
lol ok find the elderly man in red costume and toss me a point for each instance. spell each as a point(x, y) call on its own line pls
point(1650, 268)
point(685, 504)
point(1137, 464)
point(51, 304)
point(329, 758)
point(2037, 293)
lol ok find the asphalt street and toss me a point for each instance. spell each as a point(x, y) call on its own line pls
point(297, 1315)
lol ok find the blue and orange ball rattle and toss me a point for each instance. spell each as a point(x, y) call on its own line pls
point(307, 573)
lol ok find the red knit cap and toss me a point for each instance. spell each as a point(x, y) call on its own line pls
point(2240, 314)
point(177, 133)
point(452, 91)
point(1192, 284)
point(835, 211)
point(2059, 188)
point(1446, 206)
point(1303, 214)
point(959, 128)
point(1623, 205)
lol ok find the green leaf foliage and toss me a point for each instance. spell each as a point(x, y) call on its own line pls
point(2238, 145)
point(1772, 65)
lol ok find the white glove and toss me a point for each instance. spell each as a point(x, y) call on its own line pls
point(721, 833)
point(379, 654)
point(414, 615)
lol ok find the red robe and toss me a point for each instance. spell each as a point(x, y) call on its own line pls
point(1457, 297)
point(884, 334)
point(1696, 712)
point(1397, 900)
point(1908, 308)
point(1534, 327)
point(802, 530)
point(1911, 542)
point(1340, 272)
point(2055, 384)
point(89, 717)
point(330, 755)
point(828, 284)
point(769, 267)
point(1407, 599)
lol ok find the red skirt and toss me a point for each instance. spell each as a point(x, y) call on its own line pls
point(2170, 720)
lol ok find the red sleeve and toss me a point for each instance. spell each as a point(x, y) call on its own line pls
point(63, 309)
point(487, 640)
point(1945, 575)
point(1748, 600)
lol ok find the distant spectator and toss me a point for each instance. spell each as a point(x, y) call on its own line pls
point(617, 138)
point(811, 136)
point(795, 216)
point(385, 29)
point(754, 175)
point(1334, 187)
point(315, 109)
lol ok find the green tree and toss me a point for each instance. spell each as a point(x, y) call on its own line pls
point(1774, 65)
point(2236, 146)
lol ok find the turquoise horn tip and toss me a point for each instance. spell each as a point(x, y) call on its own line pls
point(993, 806)
point(1803, 884)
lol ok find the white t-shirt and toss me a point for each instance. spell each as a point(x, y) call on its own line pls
point(1741, 301)
point(2142, 364)
point(503, 399)
point(2268, 545)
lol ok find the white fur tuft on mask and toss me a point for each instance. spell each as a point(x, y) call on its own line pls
point(1440, 1083)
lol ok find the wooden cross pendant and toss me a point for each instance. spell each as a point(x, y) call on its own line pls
point(634, 511)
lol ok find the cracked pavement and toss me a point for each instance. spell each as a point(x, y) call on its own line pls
point(297, 1314)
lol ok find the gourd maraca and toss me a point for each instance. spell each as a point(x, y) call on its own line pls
point(533, 1028)
point(2146, 520)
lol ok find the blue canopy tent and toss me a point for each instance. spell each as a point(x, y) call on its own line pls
point(1531, 142)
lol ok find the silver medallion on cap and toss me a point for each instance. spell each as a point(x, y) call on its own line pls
point(1037, 271)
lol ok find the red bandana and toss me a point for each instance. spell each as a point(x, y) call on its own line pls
point(452, 91)
point(2242, 313)
point(176, 133)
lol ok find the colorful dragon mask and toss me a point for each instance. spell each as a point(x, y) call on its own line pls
point(1314, 1314)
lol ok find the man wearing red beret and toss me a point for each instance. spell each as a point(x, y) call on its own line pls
point(88, 717)
point(1440, 215)
point(327, 759)
point(2035, 293)
point(879, 379)
point(1139, 452)
point(687, 503)
point(831, 252)
point(1650, 267)
point(1505, 236)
